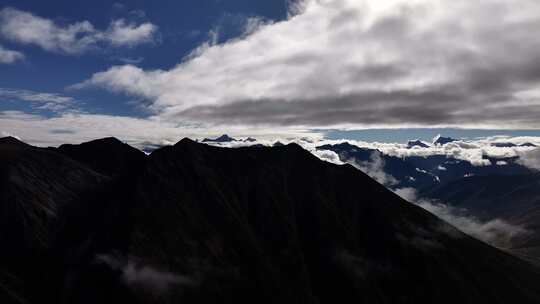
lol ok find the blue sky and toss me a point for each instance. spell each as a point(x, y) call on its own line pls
point(156, 71)
point(183, 25)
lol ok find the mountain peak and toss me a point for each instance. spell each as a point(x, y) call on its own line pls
point(108, 156)
point(185, 141)
point(10, 140)
point(106, 142)
point(416, 143)
point(223, 138)
point(441, 140)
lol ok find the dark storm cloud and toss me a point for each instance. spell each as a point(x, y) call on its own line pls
point(437, 105)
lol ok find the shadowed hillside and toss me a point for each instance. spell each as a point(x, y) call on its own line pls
point(193, 223)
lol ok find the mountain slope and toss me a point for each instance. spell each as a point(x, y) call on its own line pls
point(36, 187)
point(194, 223)
point(279, 225)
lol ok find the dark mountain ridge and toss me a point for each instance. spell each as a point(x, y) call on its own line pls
point(193, 223)
point(108, 156)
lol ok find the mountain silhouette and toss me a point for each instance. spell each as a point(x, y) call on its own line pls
point(222, 139)
point(192, 223)
point(107, 156)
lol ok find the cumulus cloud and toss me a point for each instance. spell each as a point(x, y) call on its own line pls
point(329, 156)
point(495, 232)
point(530, 159)
point(75, 38)
point(414, 63)
point(123, 33)
point(9, 56)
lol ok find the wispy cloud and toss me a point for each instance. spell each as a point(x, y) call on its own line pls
point(43, 101)
point(375, 169)
point(75, 38)
point(10, 56)
point(496, 232)
point(137, 275)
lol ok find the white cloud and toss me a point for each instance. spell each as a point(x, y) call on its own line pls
point(44, 101)
point(530, 159)
point(495, 232)
point(472, 150)
point(75, 38)
point(74, 127)
point(329, 156)
point(358, 63)
point(375, 169)
point(9, 56)
point(122, 33)
point(137, 275)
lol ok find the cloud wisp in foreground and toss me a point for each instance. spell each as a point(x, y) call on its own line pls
point(495, 232)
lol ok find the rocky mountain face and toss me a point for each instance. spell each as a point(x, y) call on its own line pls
point(193, 223)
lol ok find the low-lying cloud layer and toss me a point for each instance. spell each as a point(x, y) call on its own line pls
point(77, 127)
point(358, 63)
point(495, 232)
point(139, 276)
point(530, 159)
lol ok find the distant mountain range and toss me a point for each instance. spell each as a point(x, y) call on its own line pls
point(501, 189)
point(227, 139)
point(222, 139)
point(412, 171)
point(417, 143)
point(102, 222)
point(428, 171)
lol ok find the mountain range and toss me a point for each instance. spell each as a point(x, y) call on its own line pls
point(501, 189)
point(102, 222)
